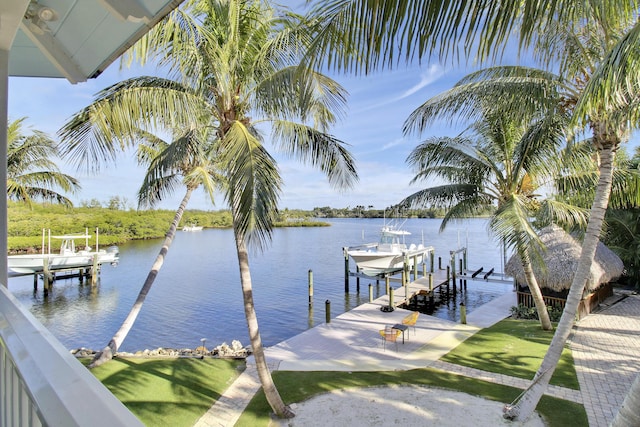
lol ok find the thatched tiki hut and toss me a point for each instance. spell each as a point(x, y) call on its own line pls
point(561, 260)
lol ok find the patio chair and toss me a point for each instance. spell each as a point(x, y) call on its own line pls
point(410, 320)
point(389, 334)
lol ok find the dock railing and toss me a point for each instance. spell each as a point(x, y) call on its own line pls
point(41, 382)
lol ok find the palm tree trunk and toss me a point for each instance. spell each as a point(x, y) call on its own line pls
point(111, 349)
point(628, 414)
point(536, 293)
point(269, 387)
point(527, 404)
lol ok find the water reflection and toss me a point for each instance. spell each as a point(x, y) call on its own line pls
point(197, 293)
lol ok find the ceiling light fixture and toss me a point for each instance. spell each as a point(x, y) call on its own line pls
point(38, 15)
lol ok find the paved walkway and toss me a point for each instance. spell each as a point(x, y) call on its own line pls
point(605, 347)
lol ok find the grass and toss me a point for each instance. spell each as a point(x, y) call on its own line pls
point(300, 386)
point(176, 392)
point(168, 392)
point(511, 347)
point(516, 348)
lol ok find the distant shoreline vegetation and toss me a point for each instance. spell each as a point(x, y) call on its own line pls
point(117, 225)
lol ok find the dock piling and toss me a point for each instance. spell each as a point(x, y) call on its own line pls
point(346, 269)
point(370, 292)
point(310, 288)
point(327, 311)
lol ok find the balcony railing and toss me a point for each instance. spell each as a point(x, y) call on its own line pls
point(42, 384)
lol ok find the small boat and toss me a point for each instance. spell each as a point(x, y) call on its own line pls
point(192, 227)
point(389, 254)
point(66, 259)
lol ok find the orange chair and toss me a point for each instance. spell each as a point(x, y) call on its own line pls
point(389, 334)
point(410, 320)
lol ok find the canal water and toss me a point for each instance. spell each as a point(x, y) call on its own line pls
point(197, 292)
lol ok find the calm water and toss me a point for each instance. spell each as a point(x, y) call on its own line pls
point(197, 293)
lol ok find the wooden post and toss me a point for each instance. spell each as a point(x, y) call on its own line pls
point(310, 319)
point(346, 270)
point(461, 270)
point(432, 258)
point(463, 314)
point(464, 257)
point(35, 282)
point(46, 275)
point(386, 283)
point(94, 270)
point(424, 269)
point(327, 311)
point(310, 288)
point(439, 263)
point(357, 280)
point(391, 297)
point(370, 292)
point(430, 282)
point(415, 267)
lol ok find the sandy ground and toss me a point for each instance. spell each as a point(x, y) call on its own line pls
point(401, 406)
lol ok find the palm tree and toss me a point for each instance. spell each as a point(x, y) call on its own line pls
point(503, 159)
point(580, 50)
point(237, 64)
point(31, 172)
point(360, 36)
point(184, 161)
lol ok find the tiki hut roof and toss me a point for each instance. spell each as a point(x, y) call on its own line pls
point(561, 259)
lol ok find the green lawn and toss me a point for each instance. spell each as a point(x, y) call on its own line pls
point(168, 392)
point(176, 392)
point(516, 348)
point(300, 386)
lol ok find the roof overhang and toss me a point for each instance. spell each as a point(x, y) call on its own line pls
point(73, 39)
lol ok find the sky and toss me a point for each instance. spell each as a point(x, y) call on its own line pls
point(378, 105)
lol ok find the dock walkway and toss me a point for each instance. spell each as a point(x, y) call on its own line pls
point(350, 342)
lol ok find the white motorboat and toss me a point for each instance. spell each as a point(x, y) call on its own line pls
point(66, 259)
point(192, 227)
point(387, 255)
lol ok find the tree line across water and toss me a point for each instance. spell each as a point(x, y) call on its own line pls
point(117, 224)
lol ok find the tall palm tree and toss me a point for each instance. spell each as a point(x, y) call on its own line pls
point(615, 86)
point(579, 50)
point(183, 161)
point(360, 35)
point(237, 64)
point(31, 171)
point(503, 159)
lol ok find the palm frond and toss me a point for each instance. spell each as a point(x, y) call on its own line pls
point(254, 185)
point(114, 120)
point(322, 151)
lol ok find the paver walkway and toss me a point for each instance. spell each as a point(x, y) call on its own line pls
point(605, 347)
point(606, 351)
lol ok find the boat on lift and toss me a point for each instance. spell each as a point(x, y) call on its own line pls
point(67, 258)
point(389, 254)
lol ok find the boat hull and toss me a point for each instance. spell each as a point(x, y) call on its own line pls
point(29, 264)
point(370, 260)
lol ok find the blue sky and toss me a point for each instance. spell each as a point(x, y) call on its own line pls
point(378, 106)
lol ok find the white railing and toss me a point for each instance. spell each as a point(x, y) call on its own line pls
point(42, 384)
